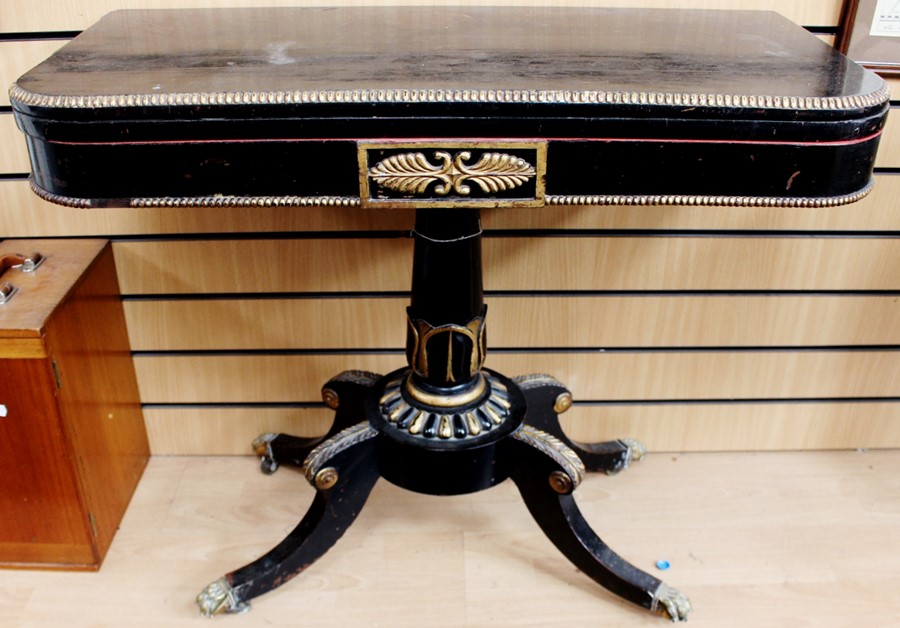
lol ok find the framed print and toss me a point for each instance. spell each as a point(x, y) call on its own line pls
point(870, 34)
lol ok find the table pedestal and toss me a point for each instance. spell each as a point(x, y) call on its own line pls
point(444, 425)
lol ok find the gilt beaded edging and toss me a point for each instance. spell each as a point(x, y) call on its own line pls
point(698, 200)
point(552, 200)
point(23, 96)
point(58, 199)
point(246, 201)
point(200, 201)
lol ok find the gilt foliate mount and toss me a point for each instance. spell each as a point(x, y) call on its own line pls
point(413, 173)
point(453, 174)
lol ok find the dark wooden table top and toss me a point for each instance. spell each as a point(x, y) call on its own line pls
point(434, 53)
point(291, 104)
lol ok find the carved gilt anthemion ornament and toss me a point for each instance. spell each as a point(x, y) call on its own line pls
point(413, 173)
point(453, 173)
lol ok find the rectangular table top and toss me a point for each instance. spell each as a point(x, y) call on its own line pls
point(300, 105)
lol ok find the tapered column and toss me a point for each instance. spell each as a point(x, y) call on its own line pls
point(444, 398)
point(445, 337)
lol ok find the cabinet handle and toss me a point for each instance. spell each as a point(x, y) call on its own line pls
point(7, 291)
point(31, 263)
point(24, 264)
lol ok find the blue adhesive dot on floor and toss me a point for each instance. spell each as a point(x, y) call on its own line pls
point(662, 565)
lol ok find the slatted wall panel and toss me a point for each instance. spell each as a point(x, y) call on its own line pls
point(692, 328)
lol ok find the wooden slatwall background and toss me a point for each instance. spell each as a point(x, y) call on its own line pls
point(692, 328)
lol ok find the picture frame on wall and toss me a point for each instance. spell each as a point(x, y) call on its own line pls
point(870, 34)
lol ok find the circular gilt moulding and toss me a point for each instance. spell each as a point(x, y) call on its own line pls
point(331, 398)
point(327, 478)
point(563, 402)
point(485, 414)
point(561, 482)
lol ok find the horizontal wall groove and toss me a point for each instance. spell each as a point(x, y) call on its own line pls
point(212, 353)
point(519, 350)
point(258, 235)
point(690, 293)
point(250, 405)
point(706, 349)
point(578, 402)
point(687, 233)
point(506, 233)
point(732, 402)
point(264, 296)
point(395, 294)
point(39, 35)
point(822, 30)
point(513, 233)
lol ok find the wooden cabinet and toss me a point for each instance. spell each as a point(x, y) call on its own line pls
point(72, 438)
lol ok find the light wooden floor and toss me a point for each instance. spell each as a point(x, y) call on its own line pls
point(765, 539)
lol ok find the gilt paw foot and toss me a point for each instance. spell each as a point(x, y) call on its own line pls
point(671, 603)
point(218, 598)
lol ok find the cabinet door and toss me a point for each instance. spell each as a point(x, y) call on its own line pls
point(41, 515)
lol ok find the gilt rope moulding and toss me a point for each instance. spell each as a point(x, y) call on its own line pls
point(401, 96)
point(590, 113)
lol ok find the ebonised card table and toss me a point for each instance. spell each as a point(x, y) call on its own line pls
point(448, 110)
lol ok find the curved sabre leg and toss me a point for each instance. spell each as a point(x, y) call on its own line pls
point(345, 394)
point(344, 471)
point(547, 398)
point(546, 472)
